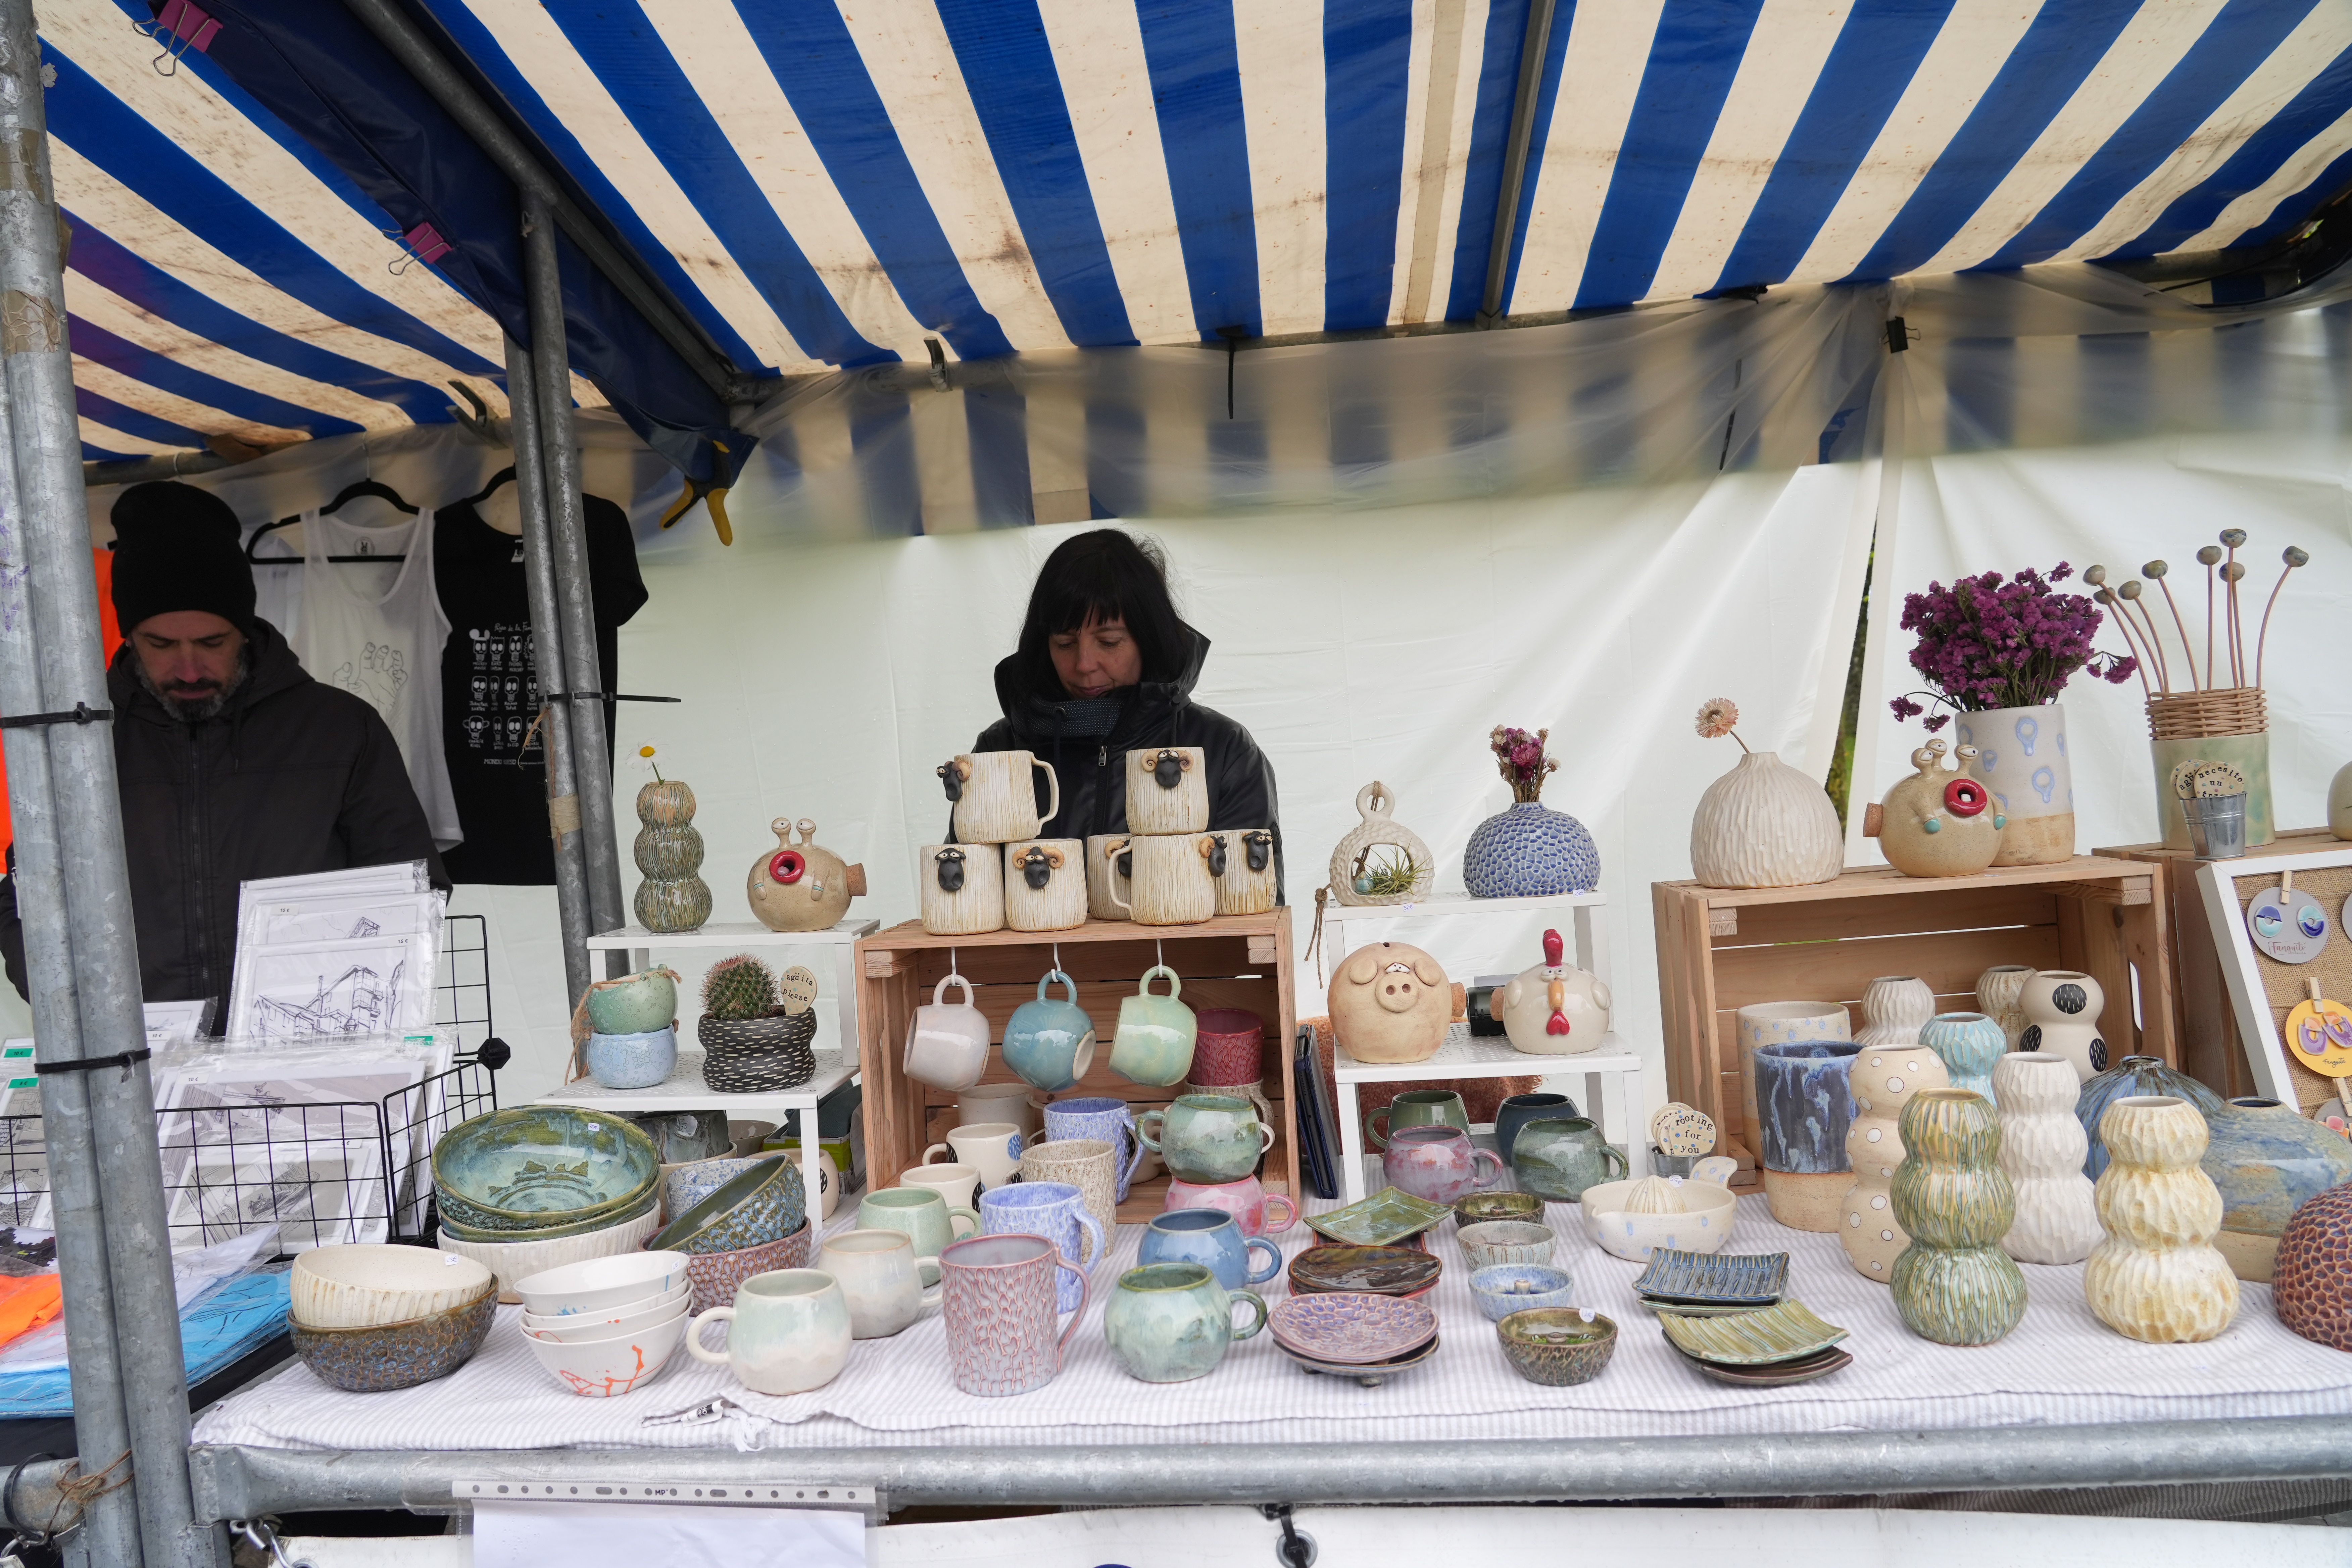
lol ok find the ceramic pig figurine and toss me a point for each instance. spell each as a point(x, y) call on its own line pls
point(1390, 1003)
point(804, 886)
point(1937, 824)
point(1554, 1009)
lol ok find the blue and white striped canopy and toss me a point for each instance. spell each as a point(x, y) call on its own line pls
point(822, 184)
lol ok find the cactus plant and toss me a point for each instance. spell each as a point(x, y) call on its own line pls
point(740, 987)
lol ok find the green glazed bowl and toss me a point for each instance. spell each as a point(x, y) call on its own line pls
point(1556, 1346)
point(762, 1204)
point(542, 1165)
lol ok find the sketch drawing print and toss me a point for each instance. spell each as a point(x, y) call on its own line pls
point(357, 1002)
point(380, 675)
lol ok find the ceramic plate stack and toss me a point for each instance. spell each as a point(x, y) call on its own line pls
point(1354, 1333)
point(608, 1325)
point(1703, 1284)
point(1406, 1272)
point(524, 1191)
point(1768, 1349)
point(369, 1318)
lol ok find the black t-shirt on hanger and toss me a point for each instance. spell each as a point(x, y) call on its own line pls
point(490, 683)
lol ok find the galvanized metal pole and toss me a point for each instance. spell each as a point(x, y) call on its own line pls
point(102, 989)
point(592, 774)
point(547, 652)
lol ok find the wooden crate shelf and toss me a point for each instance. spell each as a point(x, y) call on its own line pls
point(1722, 949)
point(1232, 961)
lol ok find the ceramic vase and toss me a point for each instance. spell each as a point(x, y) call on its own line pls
point(1895, 1008)
point(1936, 822)
point(1954, 1284)
point(2062, 1009)
point(2022, 758)
point(2312, 1282)
point(2249, 754)
point(2042, 1149)
point(1883, 1080)
point(1970, 1043)
point(668, 852)
point(1997, 993)
point(2157, 1276)
point(2133, 1075)
point(2340, 802)
point(2268, 1161)
point(1530, 852)
point(1765, 825)
point(1805, 1103)
point(1780, 1023)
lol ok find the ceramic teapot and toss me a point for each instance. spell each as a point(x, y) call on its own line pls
point(1390, 1003)
point(804, 886)
point(1554, 1009)
point(1936, 822)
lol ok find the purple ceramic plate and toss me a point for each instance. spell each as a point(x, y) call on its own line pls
point(1350, 1327)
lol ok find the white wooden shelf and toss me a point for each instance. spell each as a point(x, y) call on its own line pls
point(737, 935)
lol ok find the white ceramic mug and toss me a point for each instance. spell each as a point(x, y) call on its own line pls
point(995, 802)
point(881, 1279)
point(1168, 789)
point(1172, 881)
point(956, 1184)
point(1044, 884)
point(991, 1148)
point(962, 889)
point(1245, 886)
point(946, 1042)
point(1014, 1102)
point(1108, 888)
point(787, 1333)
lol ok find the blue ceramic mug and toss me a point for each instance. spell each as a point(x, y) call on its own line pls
point(1519, 1109)
point(1057, 1211)
point(1804, 1104)
point(1096, 1116)
point(1210, 1238)
point(1050, 1044)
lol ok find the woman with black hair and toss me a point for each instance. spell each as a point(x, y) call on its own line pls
point(1105, 666)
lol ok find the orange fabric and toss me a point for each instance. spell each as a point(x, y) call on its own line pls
point(28, 1303)
point(109, 636)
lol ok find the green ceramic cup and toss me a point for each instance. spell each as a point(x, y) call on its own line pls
point(1156, 1035)
point(919, 1213)
point(1206, 1138)
point(1416, 1108)
point(1561, 1158)
point(1170, 1322)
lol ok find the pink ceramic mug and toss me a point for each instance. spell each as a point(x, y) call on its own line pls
point(1230, 1047)
point(1437, 1163)
point(998, 1308)
point(1245, 1200)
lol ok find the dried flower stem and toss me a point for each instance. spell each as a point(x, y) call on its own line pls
point(2163, 662)
point(2263, 639)
point(2188, 650)
point(2123, 624)
point(2237, 649)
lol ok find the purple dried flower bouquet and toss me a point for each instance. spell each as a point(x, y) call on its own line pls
point(1519, 758)
point(1985, 643)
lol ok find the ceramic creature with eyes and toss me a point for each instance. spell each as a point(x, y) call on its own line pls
point(804, 886)
point(961, 888)
point(1938, 822)
point(1554, 1009)
point(1390, 1003)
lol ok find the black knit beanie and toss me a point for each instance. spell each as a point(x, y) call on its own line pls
point(176, 548)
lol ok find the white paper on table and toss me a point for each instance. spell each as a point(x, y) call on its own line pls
point(375, 984)
point(535, 1535)
point(278, 923)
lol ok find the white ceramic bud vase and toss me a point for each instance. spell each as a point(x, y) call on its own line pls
point(2022, 759)
point(2158, 1276)
point(1895, 1008)
point(1765, 825)
point(2062, 1009)
point(1883, 1080)
point(2041, 1148)
point(1996, 993)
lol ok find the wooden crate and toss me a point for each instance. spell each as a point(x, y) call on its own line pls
point(2211, 1048)
point(1232, 961)
point(1722, 949)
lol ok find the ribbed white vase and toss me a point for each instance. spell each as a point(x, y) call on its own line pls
point(1895, 1008)
point(1997, 998)
point(2041, 1148)
point(1765, 825)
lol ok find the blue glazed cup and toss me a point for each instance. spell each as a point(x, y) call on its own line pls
point(1096, 1116)
point(1050, 1044)
point(1156, 1035)
point(1804, 1104)
point(1519, 1109)
point(1210, 1238)
point(1057, 1211)
point(631, 1061)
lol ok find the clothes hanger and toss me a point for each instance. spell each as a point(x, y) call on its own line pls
point(353, 491)
point(479, 495)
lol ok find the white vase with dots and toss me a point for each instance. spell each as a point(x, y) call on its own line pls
point(2041, 1149)
point(1883, 1079)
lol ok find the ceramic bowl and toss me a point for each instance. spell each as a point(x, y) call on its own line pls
point(600, 1369)
point(1556, 1346)
point(646, 1207)
point(631, 1061)
point(1404, 1271)
point(603, 1282)
point(715, 1275)
point(1709, 1212)
point(542, 1165)
point(635, 1003)
point(764, 1202)
point(587, 1326)
point(1502, 1289)
point(636, 1306)
point(385, 1356)
point(1504, 1241)
point(746, 1137)
point(365, 1287)
point(1480, 1206)
point(515, 1260)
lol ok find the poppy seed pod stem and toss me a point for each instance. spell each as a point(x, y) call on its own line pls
point(2123, 624)
point(2292, 558)
point(2130, 594)
point(2156, 569)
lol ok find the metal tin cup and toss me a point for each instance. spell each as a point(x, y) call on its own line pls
point(2216, 826)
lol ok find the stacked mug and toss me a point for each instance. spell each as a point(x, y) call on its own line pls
point(999, 873)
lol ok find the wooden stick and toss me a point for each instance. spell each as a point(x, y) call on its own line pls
point(2129, 594)
point(2205, 558)
point(2231, 574)
point(2139, 664)
point(2293, 558)
point(2159, 570)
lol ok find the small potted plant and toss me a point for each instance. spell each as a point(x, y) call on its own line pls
point(1530, 850)
point(753, 1041)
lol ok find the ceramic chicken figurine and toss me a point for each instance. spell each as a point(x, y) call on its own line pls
point(1554, 1009)
point(1936, 822)
point(804, 886)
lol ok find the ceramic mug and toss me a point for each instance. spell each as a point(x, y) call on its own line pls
point(1245, 870)
point(1096, 1116)
point(1167, 789)
point(1107, 869)
point(1086, 1164)
point(1438, 1163)
point(998, 1305)
point(1014, 1102)
point(1519, 1109)
point(1229, 1046)
point(880, 1278)
point(787, 1333)
point(946, 1043)
point(1044, 884)
point(996, 799)
point(919, 1213)
point(961, 888)
point(1172, 1321)
point(1245, 1200)
point(1171, 885)
point(954, 1184)
point(990, 1148)
point(1206, 1137)
point(1055, 1210)
point(1560, 1158)
point(1416, 1108)
point(1778, 1023)
point(1210, 1239)
point(1154, 1043)
point(1050, 1044)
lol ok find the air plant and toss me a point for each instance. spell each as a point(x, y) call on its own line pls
point(2143, 634)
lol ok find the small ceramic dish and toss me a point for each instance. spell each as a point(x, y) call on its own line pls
point(1480, 1206)
point(1502, 1289)
point(539, 1165)
point(1372, 1375)
point(1755, 1278)
point(584, 1327)
point(1388, 1216)
point(608, 1319)
point(1778, 1374)
point(362, 1286)
point(599, 1283)
point(1703, 1225)
point(1494, 1241)
point(1558, 1346)
point(1785, 1332)
point(1698, 1308)
point(764, 1203)
point(384, 1356)
point(1405, 1272)
point(1350, 1327)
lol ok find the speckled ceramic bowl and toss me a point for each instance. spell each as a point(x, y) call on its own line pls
point(763, 1202)
point(683, 1186)
point(385, 1356)
point(539, 1166)
point(1478, 1208)
point(644, 1208)
point(1504, 1241)
point(1502, 1289)
point(716, 1274)
point(1556, 1346)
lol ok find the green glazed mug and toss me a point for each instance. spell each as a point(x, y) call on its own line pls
point(1206, 1138)
point(1169, 1323)
point(1561, 1158)
point(1416, 1108)
point(921, 1214)
point(1153, 1045)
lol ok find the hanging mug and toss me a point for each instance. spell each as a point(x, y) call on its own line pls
point(1045, 885)
point(963, 887)
point(1156, 1035)
point(1050, 1044)
point(1172, 883)
point(1167, 789)
point(1245, 880)
point(995, 803)
point(946, 1043)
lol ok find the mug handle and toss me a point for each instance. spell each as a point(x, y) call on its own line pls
point(1497, 1173)
point(694, 1335)
point(1110, 883)
point(1378, 1137)
point(1289, 1214)
point(933, 1286)
point(1052, 789)
point(1095, 1247)
point(1609, 1156)
point(938, 1149)
point(1252, 1300)
point(1274, 1256)
point(1267, 1128)
point(1036, 1137)
point(1135, 1156)
point(1062, 1345)
point(956, 1212)
point(940, 992)
point(1175, 984)
point(1155, 1119)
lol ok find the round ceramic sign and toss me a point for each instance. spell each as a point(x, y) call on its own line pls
point(2290, 926)
point(2320, 1032)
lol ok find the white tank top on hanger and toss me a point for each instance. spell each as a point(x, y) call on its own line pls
point(377, 631)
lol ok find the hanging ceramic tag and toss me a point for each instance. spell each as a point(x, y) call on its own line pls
point(2287, 923)
point(2319, 1031)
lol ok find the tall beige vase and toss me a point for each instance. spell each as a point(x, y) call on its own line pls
point(2157, 1276)
point(1998, 990)
point(1884, 1079)
point(2041, 1148)
point(1895, 1008)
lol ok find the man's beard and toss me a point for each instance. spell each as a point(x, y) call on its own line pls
point(196, 709)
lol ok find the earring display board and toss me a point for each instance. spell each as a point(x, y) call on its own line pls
point(2262, 990)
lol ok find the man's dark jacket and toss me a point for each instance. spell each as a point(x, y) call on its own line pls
point(291, 777)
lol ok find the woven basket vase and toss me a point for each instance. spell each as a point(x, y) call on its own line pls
point(1375, 803)
point(2229, 725)
point(757, 1056)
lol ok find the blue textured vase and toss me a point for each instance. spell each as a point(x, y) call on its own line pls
point(1970, 1043)
point(2134, 1076)
point(2268, 1161)
point(1529, 852)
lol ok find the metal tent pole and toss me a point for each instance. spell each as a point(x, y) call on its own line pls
point(547, 651)
point(567, 527)
point(92, 882)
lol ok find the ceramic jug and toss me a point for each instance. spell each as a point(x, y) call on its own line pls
point(1519, 1109)
point(1252, 1206)
point(1050, 1044)
point(1170, 884)
point(1169, 1322)
point(1804, 1104)
point(1096, 1116)
point(1438, 1163)
point(998, 1306)
point(804, 886)
point(1206, 1137)
point(946, 1042)
point(787, 1333)
point(1245, 870)
point(995, 800)
point(1153, 1046)
point(919, 1213)
point(1553, 1009)
point(1418, 1108)
point(1210, 1239)
point(1057, 1211)
point(1168, 789)
point(1560, 1158)
point(881, 1280)
point(1044, 884)
point(2268, 1161)
point(961, 888)
point(2062, 1008)
point(1110, 874)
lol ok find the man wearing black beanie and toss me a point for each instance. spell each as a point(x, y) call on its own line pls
point(233, 764)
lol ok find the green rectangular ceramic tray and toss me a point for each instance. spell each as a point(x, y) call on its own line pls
point(1722, 1279)
point(1388, 1216)
point(1700, 1309)
point(1752, 1339)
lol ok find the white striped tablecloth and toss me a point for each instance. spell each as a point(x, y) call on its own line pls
point(2059, 1367)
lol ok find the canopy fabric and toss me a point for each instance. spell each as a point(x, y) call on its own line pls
point(826, 186)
